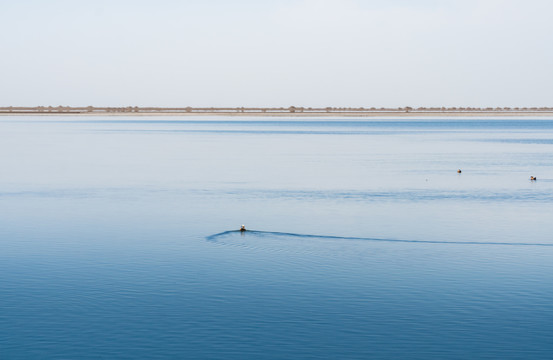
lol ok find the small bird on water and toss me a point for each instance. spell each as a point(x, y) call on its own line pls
point(459, 171)
point(242, 228)
point(533, 178)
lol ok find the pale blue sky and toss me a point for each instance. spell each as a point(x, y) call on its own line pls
point(277, 53)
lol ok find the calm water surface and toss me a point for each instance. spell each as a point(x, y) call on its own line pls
point(115, 242)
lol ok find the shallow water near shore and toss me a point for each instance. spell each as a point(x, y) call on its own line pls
point(118, 238)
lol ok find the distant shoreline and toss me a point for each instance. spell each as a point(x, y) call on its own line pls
point(292, 111)
point(298, 115)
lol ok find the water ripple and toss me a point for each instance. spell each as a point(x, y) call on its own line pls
point(258, 233)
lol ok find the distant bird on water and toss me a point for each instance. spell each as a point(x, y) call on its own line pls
point(459, 171)
point(533, 178)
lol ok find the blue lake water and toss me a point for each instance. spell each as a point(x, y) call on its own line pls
point(116, 238)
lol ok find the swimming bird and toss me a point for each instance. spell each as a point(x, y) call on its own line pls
point(459, 171)
point(533, 178)
point(242, 228)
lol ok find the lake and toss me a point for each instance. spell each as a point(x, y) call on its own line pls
point(118, 238)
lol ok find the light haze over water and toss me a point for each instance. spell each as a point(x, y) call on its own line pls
point(114, 238)
point(312, 53)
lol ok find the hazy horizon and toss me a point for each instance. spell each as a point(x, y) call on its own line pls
point(345, 53)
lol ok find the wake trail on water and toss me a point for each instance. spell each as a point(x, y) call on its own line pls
point(214, 237)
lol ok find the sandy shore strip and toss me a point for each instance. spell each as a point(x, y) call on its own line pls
point(371, 114)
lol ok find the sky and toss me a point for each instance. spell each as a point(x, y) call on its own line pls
point(386, 53)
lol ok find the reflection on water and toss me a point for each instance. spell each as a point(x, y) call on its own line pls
point(115, 242)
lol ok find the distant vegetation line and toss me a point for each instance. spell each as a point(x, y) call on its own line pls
point(263, 110)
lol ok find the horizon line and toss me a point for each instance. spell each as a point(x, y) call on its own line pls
point(61, 109)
